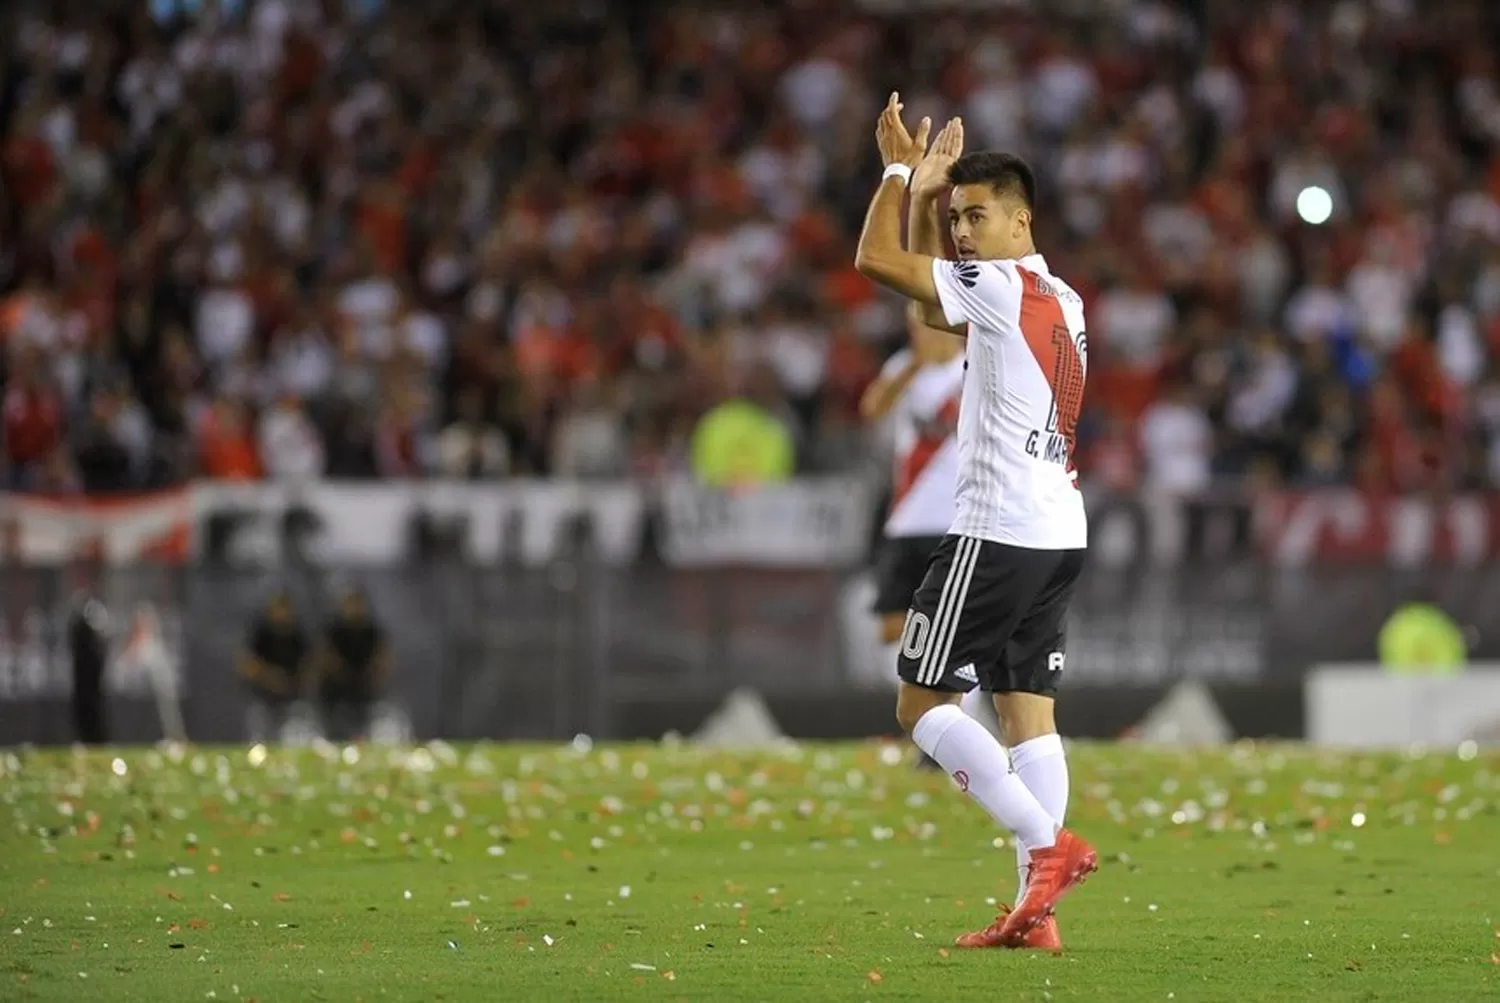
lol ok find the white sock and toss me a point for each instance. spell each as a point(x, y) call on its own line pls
point(1040, 764)
point(970, 754)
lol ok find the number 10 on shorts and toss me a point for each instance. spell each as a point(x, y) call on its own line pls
point(914, 634)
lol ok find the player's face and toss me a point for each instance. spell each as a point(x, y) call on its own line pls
point(986, 226)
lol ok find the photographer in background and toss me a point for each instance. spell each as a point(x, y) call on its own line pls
point(275, 657)
point(88, 644)
point(353, 662)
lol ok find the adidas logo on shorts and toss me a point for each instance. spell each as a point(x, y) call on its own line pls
point(967, 673)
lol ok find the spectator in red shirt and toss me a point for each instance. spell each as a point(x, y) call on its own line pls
point(33, 419)
point(226, 446)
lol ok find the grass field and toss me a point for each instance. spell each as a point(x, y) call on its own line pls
point(817, 873)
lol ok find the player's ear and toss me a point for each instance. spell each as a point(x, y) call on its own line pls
point(1021, 221)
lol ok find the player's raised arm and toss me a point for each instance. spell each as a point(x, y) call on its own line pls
point(881, 395)
point(924, 224)
point(881, 257)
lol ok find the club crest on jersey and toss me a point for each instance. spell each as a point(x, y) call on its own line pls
point(966, 272)
point(962, 779)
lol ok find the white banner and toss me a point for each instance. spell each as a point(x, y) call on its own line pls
point(38, 531)
point(374, 524)
point(1363, 706)
point(814, 522)
point(343, 522)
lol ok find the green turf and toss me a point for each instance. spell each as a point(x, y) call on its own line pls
point(820, 873)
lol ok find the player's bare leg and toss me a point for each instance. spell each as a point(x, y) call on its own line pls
point(891, 627)
point(974, 703)
point(914, 702)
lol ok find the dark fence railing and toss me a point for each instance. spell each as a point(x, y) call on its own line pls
point(580, 645)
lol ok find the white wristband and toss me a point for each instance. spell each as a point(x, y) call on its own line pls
point(897, 170)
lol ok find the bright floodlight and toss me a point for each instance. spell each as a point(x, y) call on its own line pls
point(1314, 205)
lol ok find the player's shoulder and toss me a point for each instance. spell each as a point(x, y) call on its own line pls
point(1038, 276)
point(971, 273)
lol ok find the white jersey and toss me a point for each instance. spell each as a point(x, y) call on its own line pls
point(926, 475)
point(1023, 389)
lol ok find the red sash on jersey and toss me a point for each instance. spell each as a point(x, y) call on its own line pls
point(934, 432)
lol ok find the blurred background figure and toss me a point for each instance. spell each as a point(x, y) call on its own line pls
point(744, 441)
point(261, 256)
point(146, 658)
point(353, 663)
point(88, 647)
point(273, 666)
point(1420, 638)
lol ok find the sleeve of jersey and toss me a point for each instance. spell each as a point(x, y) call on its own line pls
point(975, 292)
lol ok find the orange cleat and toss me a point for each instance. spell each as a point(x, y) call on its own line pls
point(1042, 937)
point(1054, 872)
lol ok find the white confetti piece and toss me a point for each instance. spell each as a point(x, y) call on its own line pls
point(641, 966)
point(547, 939)
point(624, 891)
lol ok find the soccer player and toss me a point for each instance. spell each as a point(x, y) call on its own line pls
point(918, 390)
point(992, 606)
point(354, 662)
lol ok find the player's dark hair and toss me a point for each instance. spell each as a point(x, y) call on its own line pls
point(1005, 173)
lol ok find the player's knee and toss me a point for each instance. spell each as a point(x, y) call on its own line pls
point(1024, 716)
point(914, 701)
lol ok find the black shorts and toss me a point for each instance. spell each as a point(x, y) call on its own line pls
point(898, 572)
point(990, 615)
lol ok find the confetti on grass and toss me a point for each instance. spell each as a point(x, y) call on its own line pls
point(1238, 845)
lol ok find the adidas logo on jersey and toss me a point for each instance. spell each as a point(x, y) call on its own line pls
point(966, 272)
point(967, 674)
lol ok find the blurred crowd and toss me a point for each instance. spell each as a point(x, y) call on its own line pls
point(293, 239)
